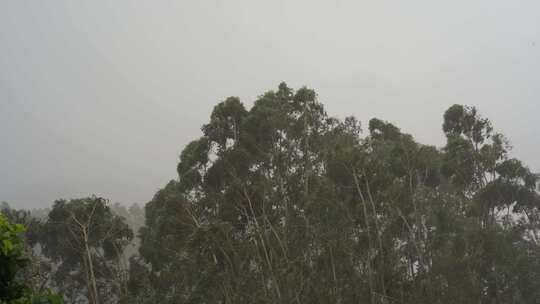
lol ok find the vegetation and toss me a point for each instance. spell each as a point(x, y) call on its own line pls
point(282, 203)
point(86, 241)
point(12, 263)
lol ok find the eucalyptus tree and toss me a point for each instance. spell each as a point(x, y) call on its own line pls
point(500, 197)
point(86, 241)
point(282, 203)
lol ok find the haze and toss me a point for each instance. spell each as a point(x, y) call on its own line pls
point(99, 97)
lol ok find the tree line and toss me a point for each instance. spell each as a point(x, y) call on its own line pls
point(282, 203)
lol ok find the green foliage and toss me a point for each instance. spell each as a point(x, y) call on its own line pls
point(12, 261)
point(283, 204)
point(46, 298)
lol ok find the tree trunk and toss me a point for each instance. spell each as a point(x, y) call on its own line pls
point(94, 291)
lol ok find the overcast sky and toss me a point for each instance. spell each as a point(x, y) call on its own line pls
point(100, 97)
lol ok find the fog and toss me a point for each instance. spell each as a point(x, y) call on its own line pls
point(100, 97)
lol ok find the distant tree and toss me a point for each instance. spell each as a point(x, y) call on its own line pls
point(134, 218)
point(87, 240)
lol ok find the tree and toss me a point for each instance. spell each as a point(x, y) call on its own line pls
point(87, 240)
point(294, 206)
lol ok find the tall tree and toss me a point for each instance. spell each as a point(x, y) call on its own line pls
point(283, 204)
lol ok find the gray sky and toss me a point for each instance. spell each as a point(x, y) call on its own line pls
point(101, 96)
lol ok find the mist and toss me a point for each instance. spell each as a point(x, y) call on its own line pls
point(100, 97)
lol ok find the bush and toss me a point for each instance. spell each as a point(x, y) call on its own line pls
point(12, 260)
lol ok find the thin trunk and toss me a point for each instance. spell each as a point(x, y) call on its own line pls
point(381, 263)
point(88, 280)
point(91, 269)
point(307, 169)
point(265, 249)
point(366, 219)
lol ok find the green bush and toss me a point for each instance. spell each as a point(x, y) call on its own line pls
point(12, 260)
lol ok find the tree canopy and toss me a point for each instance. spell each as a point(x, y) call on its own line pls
point(282, 203)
